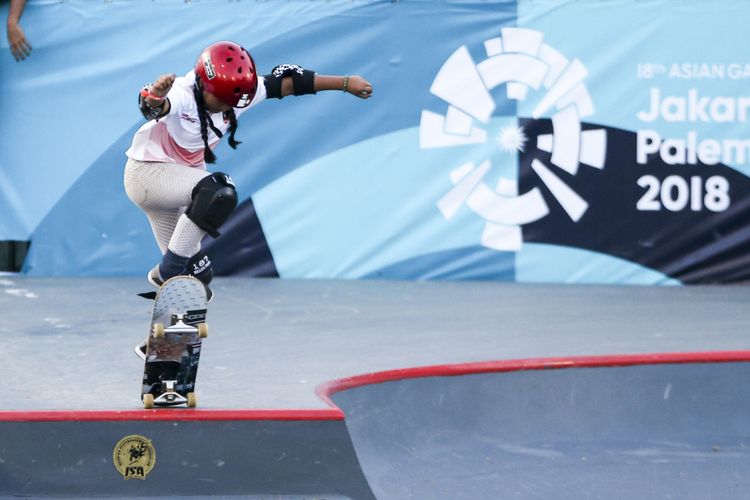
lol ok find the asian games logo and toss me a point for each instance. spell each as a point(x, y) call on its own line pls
point(532, 72)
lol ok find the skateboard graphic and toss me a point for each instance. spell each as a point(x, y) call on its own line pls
point(178, 325)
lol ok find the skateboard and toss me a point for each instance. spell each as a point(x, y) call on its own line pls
point(178, 325)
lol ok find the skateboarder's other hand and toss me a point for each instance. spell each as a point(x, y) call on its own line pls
point(359, 87)
point(162, 85)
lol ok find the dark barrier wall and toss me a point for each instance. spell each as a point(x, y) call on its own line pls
point(573, 141)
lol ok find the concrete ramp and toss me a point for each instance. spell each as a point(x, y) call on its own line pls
point(642, 431)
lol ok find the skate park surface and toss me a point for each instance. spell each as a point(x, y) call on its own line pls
point(386, 389)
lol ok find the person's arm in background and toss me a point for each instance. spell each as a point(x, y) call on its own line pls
point(19, 46)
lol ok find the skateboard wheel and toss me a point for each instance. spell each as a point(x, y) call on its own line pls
point(192, 401)
point(202, 330)
point(148, 401)
point(158, 329)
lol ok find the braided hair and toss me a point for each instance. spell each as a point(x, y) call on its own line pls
point(208, 154)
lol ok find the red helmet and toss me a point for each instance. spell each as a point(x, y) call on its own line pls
point(228, 72)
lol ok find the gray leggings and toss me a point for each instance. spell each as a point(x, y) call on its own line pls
point(162, 191)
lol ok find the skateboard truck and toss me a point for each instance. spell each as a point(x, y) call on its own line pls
point(169, 397)
point(179, 327)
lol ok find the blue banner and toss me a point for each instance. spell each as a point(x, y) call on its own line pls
point(572, 141)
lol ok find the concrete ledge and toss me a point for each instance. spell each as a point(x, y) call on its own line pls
point(309, 459)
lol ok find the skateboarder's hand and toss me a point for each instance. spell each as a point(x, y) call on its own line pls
point(358, 86)
point(162, 85)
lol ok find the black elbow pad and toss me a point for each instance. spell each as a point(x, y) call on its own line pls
point(302, 79)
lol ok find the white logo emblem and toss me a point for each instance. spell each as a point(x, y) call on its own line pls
point(208, 66)
point(520, 60)
point(244, 101)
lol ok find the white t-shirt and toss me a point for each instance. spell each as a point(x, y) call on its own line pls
point(176, 137)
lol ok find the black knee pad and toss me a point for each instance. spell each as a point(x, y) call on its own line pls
point(213, 200)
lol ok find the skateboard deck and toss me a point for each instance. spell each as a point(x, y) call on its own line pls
point(178, 325)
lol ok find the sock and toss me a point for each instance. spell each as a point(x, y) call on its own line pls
point(199, 266)
point(172, 265)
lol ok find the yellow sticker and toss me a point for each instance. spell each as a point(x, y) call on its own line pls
point(134, 457)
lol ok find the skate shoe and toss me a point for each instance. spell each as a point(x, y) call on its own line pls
point(154, 276)
point(140, 350)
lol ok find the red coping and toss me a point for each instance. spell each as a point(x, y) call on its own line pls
point(326, 390)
